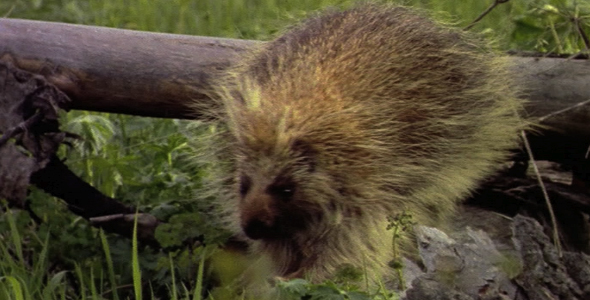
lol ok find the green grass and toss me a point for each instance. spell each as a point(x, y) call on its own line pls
point(526, 24)
point(142, 161)
point(109, 263)
point(24, 275)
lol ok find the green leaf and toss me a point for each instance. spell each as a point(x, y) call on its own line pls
point(295, 287)
point(17, 288)
point(53, 284)
point(325, 292)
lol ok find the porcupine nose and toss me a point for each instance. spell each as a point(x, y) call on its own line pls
point(257, 229)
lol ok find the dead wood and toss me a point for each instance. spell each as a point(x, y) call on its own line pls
point(511, 196)
point(155, 74)
point(119, 71)
point(29, 129)
point(29, 139)
point(86, 201)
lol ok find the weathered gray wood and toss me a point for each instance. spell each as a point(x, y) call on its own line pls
point(115, 70)
point(154, 74)
point(553, 85)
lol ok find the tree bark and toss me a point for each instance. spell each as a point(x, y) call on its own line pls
point(155, 74)
point(119, 71)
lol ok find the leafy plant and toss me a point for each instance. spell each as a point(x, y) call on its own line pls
point(399, 224)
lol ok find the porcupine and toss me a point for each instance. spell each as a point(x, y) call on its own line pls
point(351, 117)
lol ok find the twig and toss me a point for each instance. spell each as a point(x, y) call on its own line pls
point(483, 14)
point(86, 201)
point(23, 126)
point(555, 113)
point(556, 240)
point(108, 218)
point(582, 33)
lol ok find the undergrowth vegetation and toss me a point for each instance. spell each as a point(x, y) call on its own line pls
point(50, 253)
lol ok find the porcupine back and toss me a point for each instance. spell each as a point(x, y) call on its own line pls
point(397, 112)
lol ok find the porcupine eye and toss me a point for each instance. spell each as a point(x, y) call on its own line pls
point(282, 190)
point(245, 184)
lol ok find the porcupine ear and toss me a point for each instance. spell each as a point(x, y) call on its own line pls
point(305, 153)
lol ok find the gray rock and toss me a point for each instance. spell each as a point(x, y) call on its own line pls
point(469, 266)
point(429, 289)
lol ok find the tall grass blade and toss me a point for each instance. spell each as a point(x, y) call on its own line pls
point(135, 262)
point(38, 276)
point(53, 284)
point(15, 235)
point(7, 264)
point(63, 292)
point(199, 285)
point(173, 287)
point(16, 287)
point(81, 281)
point(111, 269)
point(93, 285)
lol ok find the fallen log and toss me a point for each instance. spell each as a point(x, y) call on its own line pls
point(155, 74)
point(119, 71)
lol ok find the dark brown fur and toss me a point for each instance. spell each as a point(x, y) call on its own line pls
point(349, 118)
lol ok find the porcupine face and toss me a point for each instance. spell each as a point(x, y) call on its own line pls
point(275, 200)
